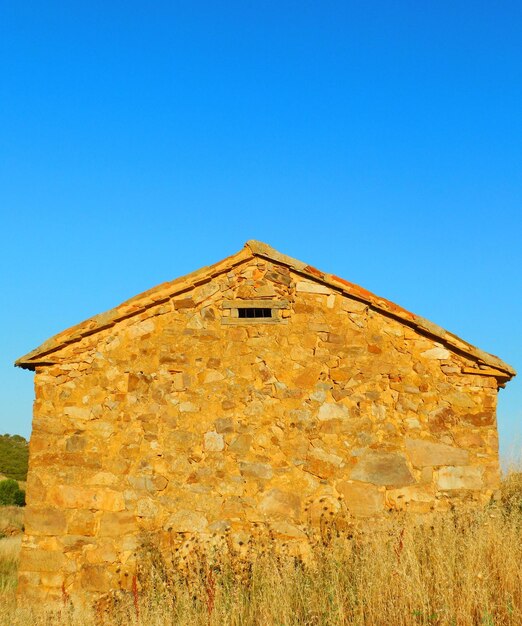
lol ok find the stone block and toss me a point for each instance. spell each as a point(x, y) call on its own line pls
point(361, 499)
point(185, 520)
point(214, 442)
point(147, 507)
point(469, 439)
point(81, 522)
point(82, 497)
point(224, 425)
point(76, 443)
point(423, 453)
point(353, 306)
point(103, 553)
point(389, 469)
point(416, 499)
point(44, 520)
point(277, 503)
point(213, 376)
point(319, 468)
point(117, 524)
point(438, 353)
point(185, 303)
point(460, 400)
point(256, 470)
point(308, 377)
point(78, 412)
point(188, 407)
point(481, 418)
point(453, 478)
point(332, 411)
point(241, 444)
point(307, 286)
point(103, 478)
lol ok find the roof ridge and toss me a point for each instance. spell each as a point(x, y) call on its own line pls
point(251, 248)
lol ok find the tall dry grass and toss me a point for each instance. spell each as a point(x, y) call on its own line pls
point(11, 520)
point(9, 551)
point(456, 569)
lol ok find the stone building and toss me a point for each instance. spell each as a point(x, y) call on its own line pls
point(243, 393)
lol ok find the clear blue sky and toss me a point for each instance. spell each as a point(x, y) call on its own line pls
point(378, 140)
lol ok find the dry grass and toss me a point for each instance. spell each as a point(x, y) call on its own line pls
point(11, 520)
point(9, 550)
point(458, 569)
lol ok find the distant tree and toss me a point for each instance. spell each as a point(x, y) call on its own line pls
point(14, 453)
point(11, 494)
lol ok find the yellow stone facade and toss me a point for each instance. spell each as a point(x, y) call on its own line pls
point(174, 414)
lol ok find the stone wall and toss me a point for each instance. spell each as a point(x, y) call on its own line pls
point(185, 418)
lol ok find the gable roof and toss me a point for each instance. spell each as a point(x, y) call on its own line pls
point(165, 291)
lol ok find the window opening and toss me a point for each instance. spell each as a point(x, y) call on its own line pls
point(257, 312)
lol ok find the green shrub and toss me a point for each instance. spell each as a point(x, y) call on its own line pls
point(14, 453)
point(11, 494)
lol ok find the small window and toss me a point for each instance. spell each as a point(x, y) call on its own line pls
point(251, 312)
point(255, 311)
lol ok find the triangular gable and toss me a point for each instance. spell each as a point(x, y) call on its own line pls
point(162, 293)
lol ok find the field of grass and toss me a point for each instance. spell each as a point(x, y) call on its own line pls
point(11, 527)
point(457, 569)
